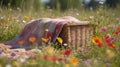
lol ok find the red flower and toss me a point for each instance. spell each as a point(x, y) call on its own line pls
point(66, 52)
point(115, 33)
point(53, 57)
point(108, 40)
point(100, 44)
point(46, 57)
point(60, 59)
point(111, 45)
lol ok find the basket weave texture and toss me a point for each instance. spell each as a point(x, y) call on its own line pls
point(77, 34)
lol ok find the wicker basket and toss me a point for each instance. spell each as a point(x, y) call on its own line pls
point(77, 34)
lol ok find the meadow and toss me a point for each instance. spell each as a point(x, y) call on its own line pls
point(103, 52)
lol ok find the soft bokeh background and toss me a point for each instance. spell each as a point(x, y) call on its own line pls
point(104, 46)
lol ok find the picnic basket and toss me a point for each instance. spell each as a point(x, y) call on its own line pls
point(77, 34)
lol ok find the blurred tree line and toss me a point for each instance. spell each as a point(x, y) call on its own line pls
point(36, 4)
point(54, 4)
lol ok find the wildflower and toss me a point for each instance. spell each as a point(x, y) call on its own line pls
point(118, 29)
point(74, 61)
point(104, 30)
point(87, 63)
point(45, 40)
point(26, 17)
point(1, 23)
point(110, 53)
point(46, 57)
point(1, 51)
point(66, 52)
point(113, 39)
point(65, 44)
point(88, 49)
point(111, 45)
point(1, 65)
point(98, 41)
point(77, 14)
point(13, 54)
point(32, 62)
point(8, 19)
point(108, 36)
point(8, 65)
point(20, 42)
point(50, 49)
point(32, 39)
point(54, 57)
point(115, 33)
point(60, 40)
point(22, 60)
point(60, 59)
point(31, 17)
point(91, 17)
point(24, 21)
point(67, 65)
point(107, 40)
point(16, 64)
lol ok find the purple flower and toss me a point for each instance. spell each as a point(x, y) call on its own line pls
point(113, 39)
point(13, 54)
point(1, 51)
point(88, 49)
point(88, 63)
point(104, 30)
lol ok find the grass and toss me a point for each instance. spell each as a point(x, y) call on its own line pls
point(99, 54)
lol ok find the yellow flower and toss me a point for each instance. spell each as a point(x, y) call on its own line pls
point(26, 17)
point(32, 62)
point(8, 19)
point(50, 49)
point(60, 40)
point(110, 54)
point(0, 65)
point(97, 40)
point(16, 64)
point(45, 40)
point(74, 61)
point(67, 65)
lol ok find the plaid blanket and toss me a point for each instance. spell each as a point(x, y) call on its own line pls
point(36, 29)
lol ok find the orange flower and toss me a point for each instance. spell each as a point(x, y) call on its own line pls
point(118, 29)
point(8, 19)
point(74, 61)
point(20, 42)
point(32, 39)
point(54, 57)
point(112, 45)
point(115, 33)
point(98, 41)
point(1, 23)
